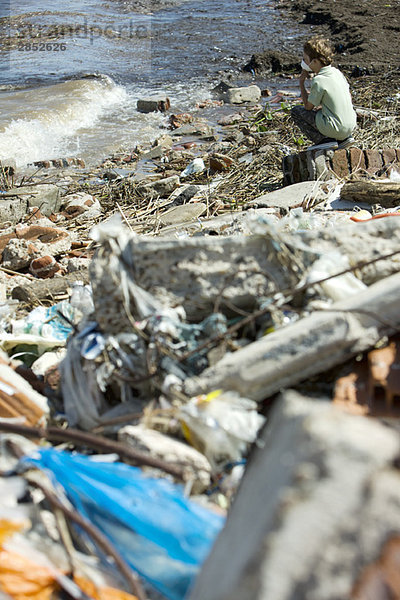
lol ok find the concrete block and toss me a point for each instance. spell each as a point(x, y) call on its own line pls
point(147, 105)
point(319, 499)
point(45, 196)
point(161, 187)
point(251, 93)
point(12, 210)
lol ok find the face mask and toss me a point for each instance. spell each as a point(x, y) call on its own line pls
point(305, 66)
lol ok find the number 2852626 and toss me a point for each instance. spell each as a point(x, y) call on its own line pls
point(42, 47)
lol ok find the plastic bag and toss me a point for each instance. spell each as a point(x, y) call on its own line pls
point(221, 425)
point(161, 534)
point(337, 288)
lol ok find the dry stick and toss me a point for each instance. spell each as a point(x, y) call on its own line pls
point(124, 217)
point(54, 434)
point(10, 272)
point(97, 536)
point(263, 311)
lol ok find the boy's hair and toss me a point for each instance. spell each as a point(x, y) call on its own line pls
point(320, 48)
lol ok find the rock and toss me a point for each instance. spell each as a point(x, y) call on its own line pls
point(220, 162)
point(291, 195)
point(251, 93)
point(45, 196)
point(18, 254)
point(184, 193)
point(111, 175)
point(73, 265)
point(44, 267)
point(235, 136)
point(180, 119)
point(12, 210)
point(197, 128)
point(231, 119)
point(161, 187)
point(156, 152)
point(147, 105)
point(165, 141)
point(81, 206)
point(319, 479)
point(181, 214)
point(157, 444)
point(273, 61)
point(221, 89)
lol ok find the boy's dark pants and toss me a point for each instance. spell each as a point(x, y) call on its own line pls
point(305, 120)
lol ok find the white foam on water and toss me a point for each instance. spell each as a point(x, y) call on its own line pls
point(56, 117)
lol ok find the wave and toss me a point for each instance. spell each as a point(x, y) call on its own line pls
point(45, 122)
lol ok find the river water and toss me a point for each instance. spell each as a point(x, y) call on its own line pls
point(73, 75)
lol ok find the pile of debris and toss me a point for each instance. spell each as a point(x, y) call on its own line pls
point(138, 372)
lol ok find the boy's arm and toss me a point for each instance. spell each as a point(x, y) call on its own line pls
point(304, 93)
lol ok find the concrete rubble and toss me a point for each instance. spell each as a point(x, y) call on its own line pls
point(189, 346)
point(319, 479)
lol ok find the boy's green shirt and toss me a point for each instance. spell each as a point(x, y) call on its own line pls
point(330, 90)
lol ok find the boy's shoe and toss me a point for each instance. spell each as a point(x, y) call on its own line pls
point(325, 144)
point(346, 143)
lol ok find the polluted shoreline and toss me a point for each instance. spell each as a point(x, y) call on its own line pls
point(199, 356)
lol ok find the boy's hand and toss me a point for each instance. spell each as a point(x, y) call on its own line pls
point(304, 75)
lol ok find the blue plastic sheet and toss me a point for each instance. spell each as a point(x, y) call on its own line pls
point(161, 534)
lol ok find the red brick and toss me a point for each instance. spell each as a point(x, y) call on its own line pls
point(357, 160)
point(389, 156)
point(374, 161)
point(44, 267)
point(339, 163)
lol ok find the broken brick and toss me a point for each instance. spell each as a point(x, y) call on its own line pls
point(357, 160)
point(374, 161)
point(339, 163)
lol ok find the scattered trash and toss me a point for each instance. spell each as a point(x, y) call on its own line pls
point(196, 166)
point(162, 338)
point(163, 536)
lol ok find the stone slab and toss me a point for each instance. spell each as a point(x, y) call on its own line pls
point(290, 196)
point(182, 214)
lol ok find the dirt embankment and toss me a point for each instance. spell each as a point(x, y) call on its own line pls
point(365, 32)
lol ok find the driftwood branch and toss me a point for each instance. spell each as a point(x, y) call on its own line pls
point(97, 442)
point(385, 193)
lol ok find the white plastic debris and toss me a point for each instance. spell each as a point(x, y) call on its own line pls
point(196, 166)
